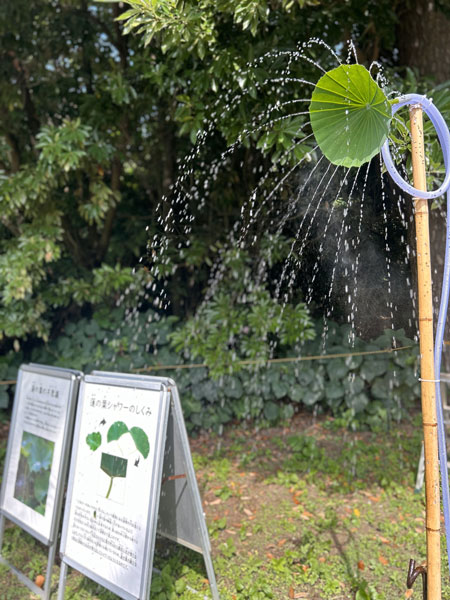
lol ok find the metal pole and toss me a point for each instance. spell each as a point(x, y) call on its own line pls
point(428, 384)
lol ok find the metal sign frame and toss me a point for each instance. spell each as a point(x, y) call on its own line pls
point(128, 583)
point(53, 392)
point(181, 517)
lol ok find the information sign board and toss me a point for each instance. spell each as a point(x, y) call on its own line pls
point(114, 483)
point(37, 457)
point(180, 516)
point(38, 443)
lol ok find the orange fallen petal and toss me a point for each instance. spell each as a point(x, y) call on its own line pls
point(383, 560)
point(361, 565)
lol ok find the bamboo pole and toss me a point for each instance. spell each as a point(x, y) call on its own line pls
point(432, 489)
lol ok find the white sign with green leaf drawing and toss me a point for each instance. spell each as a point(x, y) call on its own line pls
point(114, 484)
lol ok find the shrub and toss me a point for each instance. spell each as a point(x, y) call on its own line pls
point(359, 389)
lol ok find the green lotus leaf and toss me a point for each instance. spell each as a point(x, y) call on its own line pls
point(350, 115)
point(114, 466)
point(116, 431)
point(141, 440)
point(94, 440)
point(40, 452)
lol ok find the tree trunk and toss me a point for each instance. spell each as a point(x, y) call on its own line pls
point(422, 34)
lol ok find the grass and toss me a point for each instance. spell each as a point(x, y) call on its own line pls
point(306, 511)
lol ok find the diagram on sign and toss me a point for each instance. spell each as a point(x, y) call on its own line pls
point(33, 471)
point(123, 447)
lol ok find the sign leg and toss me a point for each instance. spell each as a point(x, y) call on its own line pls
point(62, 581)
point(48, 573)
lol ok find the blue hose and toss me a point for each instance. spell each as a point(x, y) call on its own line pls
point(444, 138)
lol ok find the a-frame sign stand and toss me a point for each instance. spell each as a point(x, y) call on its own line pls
point(181, 517)
point(37, 459)
point(131, 476)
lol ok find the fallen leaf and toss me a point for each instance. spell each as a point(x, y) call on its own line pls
point(383, 560)
point(282, 542)
point(248, 512)
point(214, 502)
point(361, 565)
point(384, 540)
point(270, 555)
point(291, 592)
point(322, 559)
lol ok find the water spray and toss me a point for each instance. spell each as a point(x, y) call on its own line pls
point(350, 118)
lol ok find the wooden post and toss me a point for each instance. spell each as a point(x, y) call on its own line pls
point(428, 384)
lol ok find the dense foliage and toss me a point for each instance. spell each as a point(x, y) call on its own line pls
point(368, 388)
point(100, 103)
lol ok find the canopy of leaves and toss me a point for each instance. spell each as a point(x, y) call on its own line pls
point(94, 124)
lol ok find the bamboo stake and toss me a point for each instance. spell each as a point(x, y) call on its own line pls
point(432, 489)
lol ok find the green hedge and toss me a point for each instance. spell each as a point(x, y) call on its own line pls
point(360, 390)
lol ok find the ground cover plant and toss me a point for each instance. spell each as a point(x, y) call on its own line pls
point(303, 510)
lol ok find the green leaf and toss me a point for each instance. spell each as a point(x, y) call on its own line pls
point(38, 450)
point(116, 431)
point(334, 390)
point(350, 115)
point(141, 440)
point(373, 367)
point(93, 440)
point(357, 402)
point(114, 466)
point(337, 368)
point(271, 411)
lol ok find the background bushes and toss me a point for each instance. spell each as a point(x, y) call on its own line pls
point(361, 390)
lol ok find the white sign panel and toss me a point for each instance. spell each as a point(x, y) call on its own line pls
point(35, 450)
point(114, 483)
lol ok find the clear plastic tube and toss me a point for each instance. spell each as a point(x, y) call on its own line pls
point(444, 138)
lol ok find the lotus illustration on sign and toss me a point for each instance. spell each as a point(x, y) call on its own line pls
point(116, 466)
